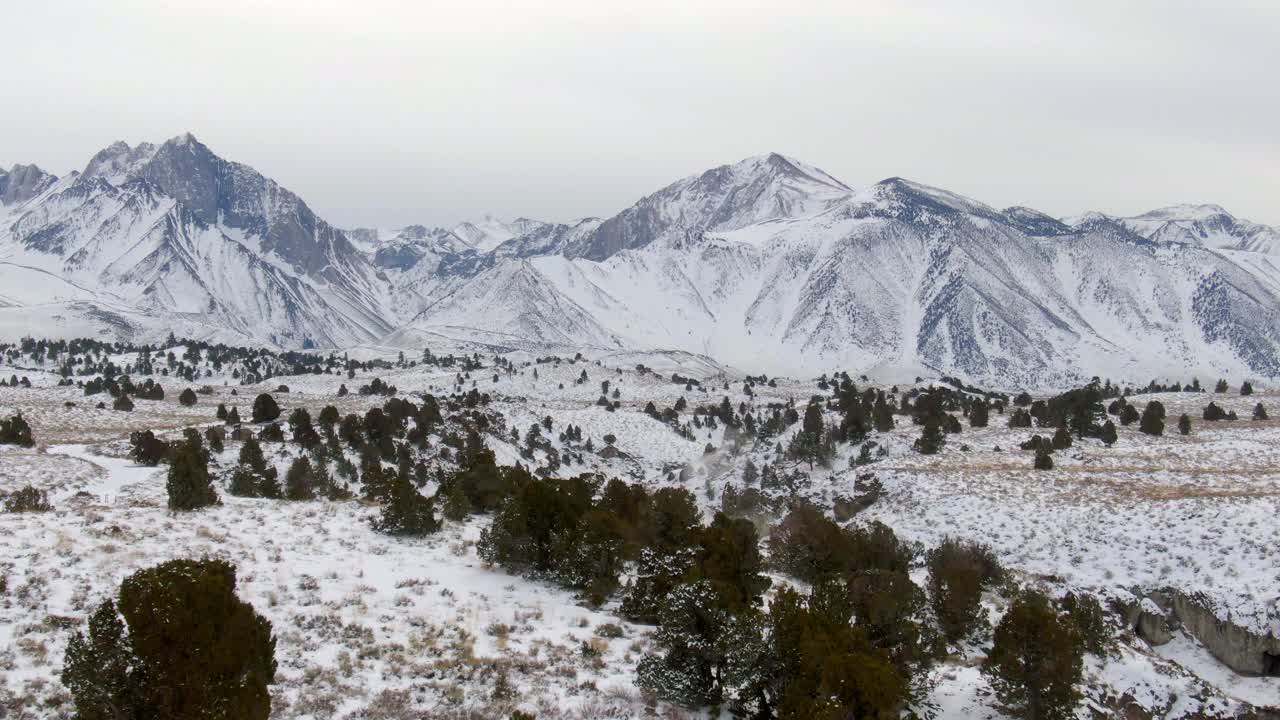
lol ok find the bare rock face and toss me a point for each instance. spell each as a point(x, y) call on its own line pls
point(1246, 652)
point(23, 182)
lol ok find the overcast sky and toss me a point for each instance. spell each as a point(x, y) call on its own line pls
point(387, 113)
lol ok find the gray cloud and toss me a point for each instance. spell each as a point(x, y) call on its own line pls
point(387, 113)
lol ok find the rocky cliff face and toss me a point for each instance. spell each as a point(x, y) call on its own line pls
point(21, 183)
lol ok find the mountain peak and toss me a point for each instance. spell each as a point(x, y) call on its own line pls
point(118, 162)
point(1185, 211)
point(23, 182)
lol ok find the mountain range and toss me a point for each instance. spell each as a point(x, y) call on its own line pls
point(767, 264)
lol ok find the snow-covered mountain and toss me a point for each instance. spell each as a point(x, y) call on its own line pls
point(174, 232)
point(765, 264)
point(1207, 225)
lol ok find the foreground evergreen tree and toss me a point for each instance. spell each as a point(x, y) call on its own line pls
point(958, 573)
point(823, 667)
point(300, 480)
point(1246, 388)
point(931, 438)
point(187, 398)
point(1108, 434)
point(705, 650)
point(96, 669)
point(810, 443)
point(1153, 418)
point(1259, 412)
point(407, 511)
point(1221, 387)
point(1036, 661)
point(1213, 413)
point(265, 408)
point(979, 414)
point(146, 449)
point(1184, 424)
point(1061, 439)
point(16, 431)
point(1044, 458)
point(188, 483)
point(187, 648)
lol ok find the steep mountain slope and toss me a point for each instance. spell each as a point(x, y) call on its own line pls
point(726, 198)
point(1207, 225)
point(175, 231)
point(766, 264)
point(21, 183)
point(898, 277)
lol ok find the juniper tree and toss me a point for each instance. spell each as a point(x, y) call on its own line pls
point(16, 431)
point(407, 511)
point(188, 482)
point(1108, 433)
point(1153, 418)
point(299, 480)
point(146, 449)
point(187, 398)
point(931, 438)
point(1036, 661)
point(958, 572)
point(1184, 424)
point(1259, 412)
point(1044, 460)
point(265, 408)
point(978, 414)
point(186, 647)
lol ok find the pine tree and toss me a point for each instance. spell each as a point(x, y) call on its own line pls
point(233, 417)
point(1153, 418)
point(457, 506)
point(407, 512)
point(16, 431)
point(265, 408)
point(304, 433)
point(187, 647)
point(1184, 424)
point(1043, 461)
point(146, 449)
point(96, 668)
point(931, 438)
point(1221, 387)
point(882, 414)
point(978, 414)
point(187, 398)
point(244, 482)
point(122, 403)
point(1061, 439)
point(1259, 412)
point(221, 412)
point(1036, 661)
point(299, 481)
point(188, 482)
point(1246, 388)
point(1108, 435)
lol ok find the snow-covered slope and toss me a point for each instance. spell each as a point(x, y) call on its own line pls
point(766, 264)
point(174, 231)
point(1207, 225)
point(897, 278)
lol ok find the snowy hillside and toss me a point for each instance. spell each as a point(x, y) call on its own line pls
point(767, 264)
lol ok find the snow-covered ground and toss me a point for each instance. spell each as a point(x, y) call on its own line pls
point(370, 625)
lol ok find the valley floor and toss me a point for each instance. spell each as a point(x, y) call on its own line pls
point(372, 626)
